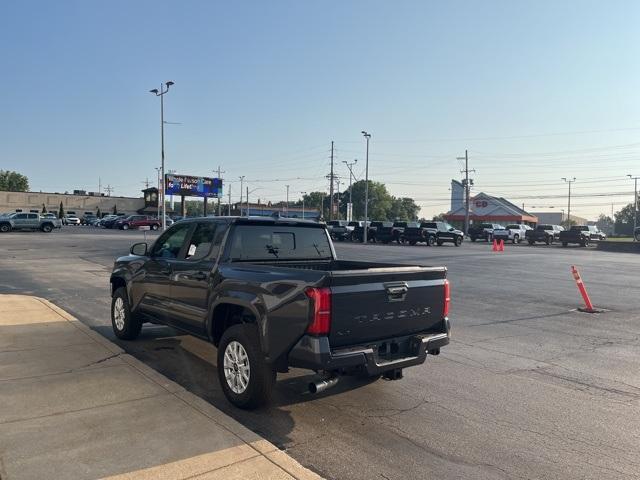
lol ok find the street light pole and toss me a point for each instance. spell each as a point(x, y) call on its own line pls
point(241, 181)
point(164, 88)
point(158, 175)
point(303, 194)
point(366, 188)
point(569, 181)
point(287, 211)
point(635, 204)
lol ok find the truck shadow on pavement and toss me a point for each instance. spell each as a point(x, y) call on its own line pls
point(191, 363)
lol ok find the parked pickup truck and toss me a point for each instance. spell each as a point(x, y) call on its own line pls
point(416, 232)
point(28, 221)
point(582, 235)
point(636, 234)
point(390, 232)
point(270, 294)
point(516, 233)
point(483, 231)
point(340, 230)
point(543, 233)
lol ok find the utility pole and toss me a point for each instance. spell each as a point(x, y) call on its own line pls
point(303, 194)
point(331, 185)
point(229, 213)
point(99, 186)
point(366, 188)
point(146, 183)
point(569, 181)
point(158, 175)
point(220, 172)
point(351, 176)
point(161, 93)
point(467, 191)
point(241, 181)
point(338, 195)
point(635, 205)
point(287, 200)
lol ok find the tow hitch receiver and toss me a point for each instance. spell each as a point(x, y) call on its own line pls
point(395, 374)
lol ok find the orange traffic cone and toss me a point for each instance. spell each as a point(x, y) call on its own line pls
point(501, 245)
point(495, 246)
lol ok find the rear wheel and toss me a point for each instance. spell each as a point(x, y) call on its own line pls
point(531, 242)
point(155, 226)
point(126, 325)
point(585, 242)
point(46, 228)
point(516, 238)
point(246, 378)
point(5, 227)
point(458, 241)
point(125, 227)
point(431, 240)
point(412, 242)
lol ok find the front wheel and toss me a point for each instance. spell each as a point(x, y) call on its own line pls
point(431, 240)
point(516, 239)
point(125, 227)
point(47, 228)
point(548, 241)
point(458, 241)
point(126, 325)
point(246, 378)
point(5, 227)
point(155, 226)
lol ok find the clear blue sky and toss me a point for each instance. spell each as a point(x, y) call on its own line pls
point(535, 90)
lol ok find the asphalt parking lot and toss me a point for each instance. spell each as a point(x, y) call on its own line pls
point(528, 388)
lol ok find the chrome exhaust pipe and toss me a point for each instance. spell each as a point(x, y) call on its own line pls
point(322, 385)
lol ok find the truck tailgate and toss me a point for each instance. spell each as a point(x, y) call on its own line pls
point(384, 303)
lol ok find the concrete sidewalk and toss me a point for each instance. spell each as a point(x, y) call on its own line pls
point(75, 406)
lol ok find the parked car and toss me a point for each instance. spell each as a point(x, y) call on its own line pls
point(137, 221)
point(636, 234)
point(271, 294)
point(390, 232)
point(358, 231)
point(416, 232)
point(70, 220)
point(110, 220)
point(515, 232)
point(582, 235)
point(543, 233)
point(340, 230)
point(28, 221)
point(483, 231)
point(445, 233)
point(48, 215)
point(87, 219)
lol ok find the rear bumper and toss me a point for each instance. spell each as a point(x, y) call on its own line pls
point(315, 353)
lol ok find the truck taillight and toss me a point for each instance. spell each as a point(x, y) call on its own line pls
point(321, 308)
point(447, 298)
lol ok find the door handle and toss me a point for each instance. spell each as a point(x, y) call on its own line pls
point(199, 276)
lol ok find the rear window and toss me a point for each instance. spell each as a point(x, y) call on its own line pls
point(515, 227)
point(279, 242)
point(545, 227)
point(430, 225)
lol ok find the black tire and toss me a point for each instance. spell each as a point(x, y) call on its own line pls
point(548, 241)
point(637, 237)
point(531, 242)
point(431, 240)
point(155, 226)
point(439, 242)
point(412, 242)
point(47, 228)
point(458, 241)
point(564, 244)
point(516, 239)
point(124, 227)
point(128, 327)
point(5, 227)
point(585, 242)
point(261, 375)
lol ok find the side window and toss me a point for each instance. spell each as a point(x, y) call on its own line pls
point(21, 216)
point(33, 216)
point(170, 243)
point(203, 240)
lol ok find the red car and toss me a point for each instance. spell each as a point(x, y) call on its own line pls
point(137, 221)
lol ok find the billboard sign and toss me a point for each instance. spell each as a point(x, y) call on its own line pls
point(193, 186)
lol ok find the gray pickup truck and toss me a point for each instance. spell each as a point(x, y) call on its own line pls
point(270, 294)
point(28, 221)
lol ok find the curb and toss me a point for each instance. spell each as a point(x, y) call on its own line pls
point(622, 247)
point(260, 445)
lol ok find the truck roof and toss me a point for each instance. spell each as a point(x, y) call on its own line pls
point(257, 221)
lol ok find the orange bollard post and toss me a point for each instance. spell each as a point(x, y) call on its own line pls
point(583, 291)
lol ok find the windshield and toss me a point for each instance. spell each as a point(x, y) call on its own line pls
point(279, 242)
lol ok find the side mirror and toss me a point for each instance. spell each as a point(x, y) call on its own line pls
point(139, 249)
point(451, 229)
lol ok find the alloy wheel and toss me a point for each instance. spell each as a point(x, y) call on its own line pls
point(237, 370)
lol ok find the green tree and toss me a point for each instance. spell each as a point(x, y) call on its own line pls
point(568, 223)
point(316, 201)
point(403, 209)
point(438, 218)
point(44, 208)
point(380, 202)
point(98, 213)
point(13, 181)
point(115, 209)
point(624, 220)
point(61, 211)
